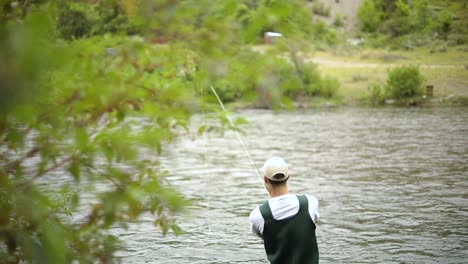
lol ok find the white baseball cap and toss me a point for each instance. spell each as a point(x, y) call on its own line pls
point(275, 169)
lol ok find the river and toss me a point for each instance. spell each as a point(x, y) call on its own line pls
point(392, 185)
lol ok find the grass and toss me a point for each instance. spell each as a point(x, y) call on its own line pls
point(357, 69)
point(355, 81)
point(447, 72)
point(447, 81)
point(459, 8)
point(457, 55)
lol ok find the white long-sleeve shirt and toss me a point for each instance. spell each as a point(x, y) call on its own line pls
point(282, 207)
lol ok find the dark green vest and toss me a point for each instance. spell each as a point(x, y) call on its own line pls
point(291, 240)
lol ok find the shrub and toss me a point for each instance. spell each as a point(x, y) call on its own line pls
point(369, 16)
point(404, 82)
point(311, 80)
point(377, 96)
point(420, 14)
point(290, 82)
point(329, 87)
point(399, 23)
point(309, 83)
point(322, 34)
point(359, 78)
point(73, 24)
point(113, 17)
point(338, 21)
point(459, 33)
point(266, 80)
point(443, 24)
point(396, 27)
point(235, 78)
point(320, 9)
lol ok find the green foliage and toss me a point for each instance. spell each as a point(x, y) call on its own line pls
point(377, 96)
point(83, 122)
point(338, 21)
point(70, 113)
point(236, 78)
point(329, 87)
point(443, 24)
point(91, 121)
point(369, 16)
point(322, 34)
point(412, 23)
point(402, 8)
point(266, 79)
point(459, 33)
point(398, 24)
point(320, 9)
point(287, 17)
point(404, 82)
point(25, 57)
point(438, 46)
point(420, 15)
point(73, 23)
point(304, 80)
point(77, 20)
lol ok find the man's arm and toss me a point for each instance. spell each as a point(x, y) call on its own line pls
point(313, 207)
point(256, 222)
point(256, 231)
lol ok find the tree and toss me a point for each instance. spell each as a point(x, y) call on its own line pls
point(84, 119)
point(83, 122)
point(369, 16)
point(420, 14)
point(399, 24)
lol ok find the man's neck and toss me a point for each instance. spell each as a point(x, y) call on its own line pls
point(275, 192)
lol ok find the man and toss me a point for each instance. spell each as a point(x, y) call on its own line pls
point(285, 222)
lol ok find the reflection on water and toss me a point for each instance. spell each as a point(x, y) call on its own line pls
point(392, 185)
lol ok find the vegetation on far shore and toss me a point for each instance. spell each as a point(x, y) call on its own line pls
point(360, 69)
point(357, 69)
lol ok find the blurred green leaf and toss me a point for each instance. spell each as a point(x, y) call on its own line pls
point(201, 129)
point(240, 121)
point(74, 169)
point(93, 89)
point(81, 138)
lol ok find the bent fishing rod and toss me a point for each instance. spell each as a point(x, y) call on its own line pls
point(239, 137)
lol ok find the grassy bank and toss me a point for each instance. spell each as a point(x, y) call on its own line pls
point(356, 70)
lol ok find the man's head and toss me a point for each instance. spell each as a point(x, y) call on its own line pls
point(275, 171)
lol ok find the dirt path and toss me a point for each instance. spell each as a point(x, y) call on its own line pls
point(345, 64)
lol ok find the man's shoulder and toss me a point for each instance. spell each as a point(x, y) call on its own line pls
point(255, 214)
point(311, 198)
point(313, 206)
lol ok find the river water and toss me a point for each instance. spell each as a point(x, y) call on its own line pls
point(392, 185)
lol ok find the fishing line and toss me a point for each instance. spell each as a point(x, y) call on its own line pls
point(257, 170)
point(205, 163)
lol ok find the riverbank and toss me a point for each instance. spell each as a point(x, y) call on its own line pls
point(357, 69)
point(446, 71)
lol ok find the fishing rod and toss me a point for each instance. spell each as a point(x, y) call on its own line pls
point(257, 170)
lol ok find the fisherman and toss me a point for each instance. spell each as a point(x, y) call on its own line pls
point(285, 222)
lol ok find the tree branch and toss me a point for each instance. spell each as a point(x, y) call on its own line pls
point(11, 166)
point(108, 177)
point(53, 167)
